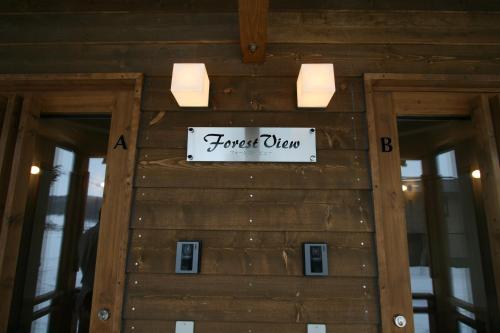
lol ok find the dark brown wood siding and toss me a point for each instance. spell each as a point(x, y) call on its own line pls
point(253, 219)
point(251, 272)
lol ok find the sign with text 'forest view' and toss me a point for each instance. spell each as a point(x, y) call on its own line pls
point(251, 144)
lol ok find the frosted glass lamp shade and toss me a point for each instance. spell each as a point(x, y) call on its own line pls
point(315, 85)
point(190, 85)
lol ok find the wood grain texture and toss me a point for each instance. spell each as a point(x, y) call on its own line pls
point(495, 119)
point(8, 132)
point(428, 103)
point(342, 169)
point(252, 309)
point(157, 326)
point(264, 216)
point(234, 286)
point(333, 130)
point(358, 27)
point(224, 59)
point(489, 163)
point(349, 199)
point(232, 6)
point(392, 247)
point(113, 231)
point(15, 204)
point(269, 210)
point(303, 26)
point(253, 17)
point(257, 253)
point(246, 93)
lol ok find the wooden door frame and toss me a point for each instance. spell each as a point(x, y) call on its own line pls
point(116, 94)
point(387, 97)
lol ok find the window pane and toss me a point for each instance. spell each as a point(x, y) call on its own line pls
point(41, 325)
point(97, 172)
point(54, 221)
point(463, 328)
point(420, 303)
point(412, 187)
point(447, 165)
point(421, 323)
point(411, 169)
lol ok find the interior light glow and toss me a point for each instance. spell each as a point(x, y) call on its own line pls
point(315, 85)
point(404, 188)
point(35, 170)
point(476, 174)
point(190, 85)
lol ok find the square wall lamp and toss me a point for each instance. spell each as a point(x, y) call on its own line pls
point(315, 85)
point(190, 85)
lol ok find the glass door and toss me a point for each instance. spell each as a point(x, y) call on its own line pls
point(54, 286)
point(448, 245)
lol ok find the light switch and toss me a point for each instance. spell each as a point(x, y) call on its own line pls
point(184, 327)
point(316, 328)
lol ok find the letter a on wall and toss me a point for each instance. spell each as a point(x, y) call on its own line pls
point(121, 142)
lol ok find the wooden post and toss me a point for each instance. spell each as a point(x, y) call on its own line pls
point(489, 166)
point(15, 203)
point(115, 214)
point(390, 225)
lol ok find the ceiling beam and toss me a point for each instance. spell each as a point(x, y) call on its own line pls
point(253, 29)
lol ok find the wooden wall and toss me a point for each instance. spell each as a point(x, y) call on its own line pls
point(252, 218)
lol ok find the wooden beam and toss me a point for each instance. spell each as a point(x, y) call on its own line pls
point(253, 29)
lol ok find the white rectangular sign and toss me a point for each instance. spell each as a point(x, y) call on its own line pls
point(251, 144)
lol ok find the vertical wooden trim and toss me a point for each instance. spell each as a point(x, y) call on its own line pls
point(253, 29)
point(391, 237)
point(438, 244)
point(115, 214)
point(3, 110)
point(7, 143)
point(489, 166)
point(495, 118)
point(15, 203)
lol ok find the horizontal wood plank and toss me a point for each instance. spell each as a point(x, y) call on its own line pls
point(157, 326)
point(231, 6)
point(334, 27)
point(254, 94)
point(334, 130)
point(432, 103)
point(253, 310)
point(256, 253)
point(384, 27)
point(339, 169)
point(253, 216)
point(230, 239)
point(225, 59)
point(285, 288)
point(350, 199)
